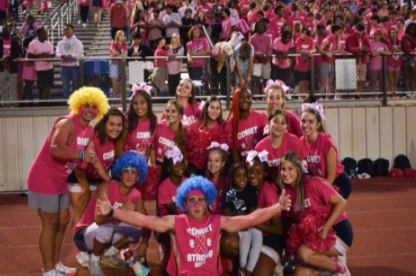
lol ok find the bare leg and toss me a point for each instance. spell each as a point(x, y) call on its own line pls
point(265, 266)
point(78, 206)
point(317, 259)
point(63, 222)
point(47, 238)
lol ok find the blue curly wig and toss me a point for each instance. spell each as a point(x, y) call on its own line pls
point(195, 183)
point(134, 160)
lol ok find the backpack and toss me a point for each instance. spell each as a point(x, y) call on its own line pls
point(350, 166)
point(401, 162)
point(381, 167)
point(365, 166)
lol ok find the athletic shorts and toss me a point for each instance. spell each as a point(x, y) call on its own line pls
point(48, 203)
point(79, 239)
point(45, 78)
point(326, 70)
point(343, 231)
point(273, 246)
point(262, 70)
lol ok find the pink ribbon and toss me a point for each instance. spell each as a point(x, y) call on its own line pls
point(143, 86)
point(175, 154)
point(318, 107)
point(262, 155)
point(214, 145)
point(278, 83)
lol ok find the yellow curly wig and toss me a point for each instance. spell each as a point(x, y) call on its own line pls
point(88, 94)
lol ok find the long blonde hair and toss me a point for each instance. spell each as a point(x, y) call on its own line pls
point(299, 186)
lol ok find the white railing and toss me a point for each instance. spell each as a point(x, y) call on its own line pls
point(59, 18)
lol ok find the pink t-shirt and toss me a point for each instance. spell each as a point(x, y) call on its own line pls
point(117, 200)
point(289, 143)
point(163, 141)
point(207, 10)
point(276, 27)
point(36, 47)
point(226, 25)
point(303, 63)
point(267, 197)
point(262, 44)
point(293, 125)
point(155, 32)
point(318, 193)
point(197, 45)
point(376, 63)
point(122, 49)
point(162, 61)
point(191, 114)
point(104, 153)
point(196, 246)
point(293, 20)
point(250, 132)
point(48, 175)
point(394, 62)
point(166, 194)
point(333, 43)
point(316, 153)
point(278, 45)
point(246, 6)
point(140, 139)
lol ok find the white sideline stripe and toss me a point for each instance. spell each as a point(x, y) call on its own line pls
point(384, 229)
point(377, 197)
point(376, 211)
point(378, 256)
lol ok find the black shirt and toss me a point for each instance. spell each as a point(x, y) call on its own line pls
point(240, 201)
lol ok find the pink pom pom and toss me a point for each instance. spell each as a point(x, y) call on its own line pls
point(410, 173)
point(149, 187)
point(197, 142)
point(396, 173)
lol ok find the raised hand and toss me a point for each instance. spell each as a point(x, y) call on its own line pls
point(103, 207)
point(285, 201)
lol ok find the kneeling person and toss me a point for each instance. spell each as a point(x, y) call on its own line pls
point(105, 236)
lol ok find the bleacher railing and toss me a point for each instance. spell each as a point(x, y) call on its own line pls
point(58, 18)
point(116, 75)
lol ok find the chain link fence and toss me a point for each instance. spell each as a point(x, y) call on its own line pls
point(30, 82)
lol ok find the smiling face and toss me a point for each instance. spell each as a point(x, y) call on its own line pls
point(240, 179)
point(214, 110)
point(176, 169)
point(256, 174)
point(184, 89)
point(88, 111)
point(278, 125)
point(245, 100)
point(196, 206)
point(309, 123)
point(288, 173)
point(172, 114)
point(140, 106)
point(114, 127)
point(275, 99)
point(129, 177)
point(215, 162)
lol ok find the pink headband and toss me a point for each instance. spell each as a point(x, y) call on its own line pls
point(195, 192)
point(262, 155)
point(143, 86)
point(214, 145)
point(277, 83)
point(318, 107)
point(175, 154)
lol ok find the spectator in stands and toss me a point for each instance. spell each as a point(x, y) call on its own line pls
point(394, 62)
point(226, 27)
point(140, 50)
point(28, 30)
point(3, 12)
point(118, 18)
point(262, 44)
point(197, 46)
point(69, 49)
point(139, 24)
point(408, 46)
point(118, 49)
point(43, 7)
point(186, 5)
point(306, 47)
point(282, 46)
point(234, 16)
point(277, 22)
point(244, 55)
point(220, 54)
point(216, 21)
point(41, 48)
point(13, 9)
point(98, 6)
point(412, 18)
point(359, 45)
point(160, 72)
point(172, 22)
point(9, 51)
point(187, 23)
point(295, 17)
point(377, 50)
point(201, 19)
point(156, 27)
point(14, 27)
point(174, 64)
point(206, 9)
point(84, 7)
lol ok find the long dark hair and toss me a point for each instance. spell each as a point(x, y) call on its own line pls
point(180, 137)
point(205, 117)
point(191, 100)
point(223, 170)
point(318, 117)
point(100, 126)
point(296, 161)
point(133, 118)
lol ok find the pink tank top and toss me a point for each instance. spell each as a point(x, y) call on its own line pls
point(104, 152)
point(332, 46)
point(140, 139)
point(48, 175)
point(198, 253)
point(117, 199)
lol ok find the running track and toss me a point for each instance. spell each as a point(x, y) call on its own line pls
point(382, 211)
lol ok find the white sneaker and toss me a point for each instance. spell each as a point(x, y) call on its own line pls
point(95, 269)
point(83, 259)
point(84, 25)
point(79, 22)
point(68, 271)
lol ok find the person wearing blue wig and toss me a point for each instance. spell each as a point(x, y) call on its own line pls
point(195, 234)
point(105, 236)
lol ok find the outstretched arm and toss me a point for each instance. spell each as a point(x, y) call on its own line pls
point(234, 224)
point(163, 224)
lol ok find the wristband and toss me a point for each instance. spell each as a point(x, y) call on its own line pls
point(81, 155)
point(111, 213)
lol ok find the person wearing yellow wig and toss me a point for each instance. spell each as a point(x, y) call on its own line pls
point(66, 145)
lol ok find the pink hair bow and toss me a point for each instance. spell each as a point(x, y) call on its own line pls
point(175, 154)
point(318, 107)
point(143, 86)
point(278, 83)
point(262, 155)
point(214, 145)
point(201, 105)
